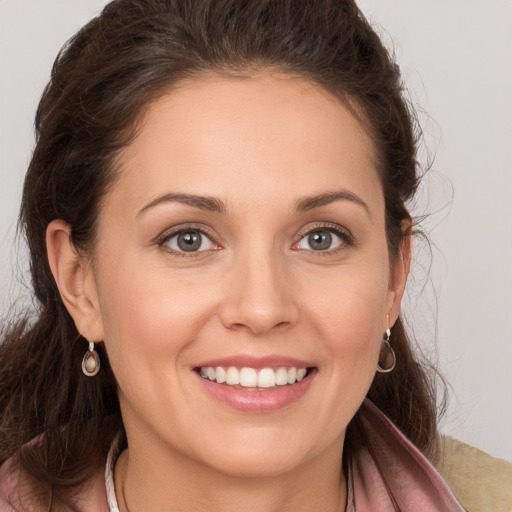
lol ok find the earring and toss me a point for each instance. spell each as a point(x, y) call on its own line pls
point(91, 361)
point(387, 358)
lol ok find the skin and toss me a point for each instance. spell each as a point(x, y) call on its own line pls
point(260, 145)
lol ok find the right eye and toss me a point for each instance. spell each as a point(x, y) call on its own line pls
point(189, 240)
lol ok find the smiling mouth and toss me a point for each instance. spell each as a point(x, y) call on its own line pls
point(251, 379)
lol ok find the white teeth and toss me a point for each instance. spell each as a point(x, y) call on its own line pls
point(301, 373)
point(252, 378)
point(282, 377)
point(266, 378)
point(292, 375)
point(248, 377)
point(220, 374)
point(232, 376)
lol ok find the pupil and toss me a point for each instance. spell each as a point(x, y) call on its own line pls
point(189, 241)
point(320, 240)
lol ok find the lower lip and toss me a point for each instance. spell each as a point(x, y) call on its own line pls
point(265, 400)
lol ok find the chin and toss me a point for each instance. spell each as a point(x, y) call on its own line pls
point(268, 466)
point(258, 459)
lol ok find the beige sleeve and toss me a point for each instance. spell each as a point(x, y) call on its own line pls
point(480, 482)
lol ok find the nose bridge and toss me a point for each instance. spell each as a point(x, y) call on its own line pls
point(258, 298)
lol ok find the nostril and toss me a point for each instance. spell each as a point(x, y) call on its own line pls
point(238, 326)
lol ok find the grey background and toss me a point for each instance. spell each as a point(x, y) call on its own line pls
point(456, 59)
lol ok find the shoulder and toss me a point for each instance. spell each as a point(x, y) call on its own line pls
point(479, 481)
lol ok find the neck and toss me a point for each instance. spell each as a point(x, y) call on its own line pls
point(182, 484)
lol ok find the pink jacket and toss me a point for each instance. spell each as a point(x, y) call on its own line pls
point(389, 475)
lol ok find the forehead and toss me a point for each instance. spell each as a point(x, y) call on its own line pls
point(265, 133)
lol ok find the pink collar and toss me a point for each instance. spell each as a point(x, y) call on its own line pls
point(390, 474)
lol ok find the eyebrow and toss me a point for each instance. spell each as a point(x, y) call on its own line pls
point(316, 201)
point(215, 205)
point(210, 204)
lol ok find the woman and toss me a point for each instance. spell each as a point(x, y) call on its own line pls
point(215, 211)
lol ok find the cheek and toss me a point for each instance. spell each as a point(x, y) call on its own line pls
point(350, 326)
point(350, 330)
point(352, 304)
point(148, 318)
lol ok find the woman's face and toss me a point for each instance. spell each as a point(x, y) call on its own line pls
point(244, 240)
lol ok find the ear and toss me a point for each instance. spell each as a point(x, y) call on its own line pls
point(399, 274)
point(75, 280)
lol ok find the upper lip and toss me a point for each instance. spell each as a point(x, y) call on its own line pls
point(248, 361)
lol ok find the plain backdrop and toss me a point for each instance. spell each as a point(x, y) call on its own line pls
point(455, 57)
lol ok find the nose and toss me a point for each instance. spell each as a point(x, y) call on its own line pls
point(259, 296)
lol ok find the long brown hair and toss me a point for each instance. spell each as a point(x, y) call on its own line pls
point(100, 84)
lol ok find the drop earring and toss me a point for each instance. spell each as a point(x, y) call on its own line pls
point(91, 361)
point(387, 357)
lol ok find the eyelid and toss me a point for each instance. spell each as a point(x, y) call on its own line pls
point(162, 239)
point(342, 232)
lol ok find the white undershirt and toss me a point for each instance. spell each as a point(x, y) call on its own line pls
point(113, 453)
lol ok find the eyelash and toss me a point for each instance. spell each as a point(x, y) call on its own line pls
point(342, 233)
point(345, 236)
point(163, 239)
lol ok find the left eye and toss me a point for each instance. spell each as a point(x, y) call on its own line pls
point(191, 240)
point(320, 240)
